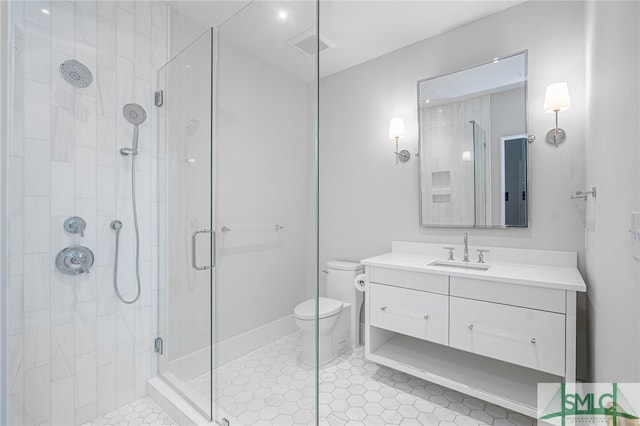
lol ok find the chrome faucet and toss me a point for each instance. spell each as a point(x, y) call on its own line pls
point(466, 247)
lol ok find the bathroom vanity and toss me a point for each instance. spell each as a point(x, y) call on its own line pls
point(491, 330)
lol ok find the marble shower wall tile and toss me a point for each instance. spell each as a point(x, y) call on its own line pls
point(75, 351)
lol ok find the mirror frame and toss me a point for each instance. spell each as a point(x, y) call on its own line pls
point(531, 139)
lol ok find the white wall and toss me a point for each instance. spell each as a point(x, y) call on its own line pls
point(612, 158)
point(75, 352)
point(263, 169)
point(366, 200)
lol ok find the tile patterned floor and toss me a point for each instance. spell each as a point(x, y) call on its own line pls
point(271, 387)
point(143, 412)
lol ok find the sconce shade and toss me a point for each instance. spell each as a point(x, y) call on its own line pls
point(396, 128)
point(557, 97)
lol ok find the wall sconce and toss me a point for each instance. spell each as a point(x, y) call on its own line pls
point(556, 99)
point(396, 131)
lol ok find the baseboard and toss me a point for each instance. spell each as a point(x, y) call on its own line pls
point(197, 363)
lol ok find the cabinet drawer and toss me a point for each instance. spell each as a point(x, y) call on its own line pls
point(410, 279)
point(546, 299)
point(414, 313)
point(521, 336)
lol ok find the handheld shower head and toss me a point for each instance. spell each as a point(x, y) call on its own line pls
point(134, 114)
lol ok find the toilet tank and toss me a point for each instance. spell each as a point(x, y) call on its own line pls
point(340, 277)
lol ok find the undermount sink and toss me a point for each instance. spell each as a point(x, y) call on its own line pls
point(461, 265)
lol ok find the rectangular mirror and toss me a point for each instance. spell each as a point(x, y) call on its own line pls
point(473, 146)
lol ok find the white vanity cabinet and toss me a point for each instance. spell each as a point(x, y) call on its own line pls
point(491, 334)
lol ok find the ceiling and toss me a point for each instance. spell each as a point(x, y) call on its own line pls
point(358, 31)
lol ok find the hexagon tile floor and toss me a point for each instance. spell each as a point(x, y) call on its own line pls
point(271, 387)
point(143, 412)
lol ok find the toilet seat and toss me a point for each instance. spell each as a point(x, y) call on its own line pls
point(326, 308)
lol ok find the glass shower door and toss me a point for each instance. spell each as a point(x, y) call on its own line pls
point(185, 222)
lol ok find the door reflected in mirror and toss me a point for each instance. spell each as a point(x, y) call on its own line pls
point(473, 146)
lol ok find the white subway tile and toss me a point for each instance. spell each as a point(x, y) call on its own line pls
point(36, 169)
point(143, 342)
point(107, 105)
point(106, 342)
point(62, 352)
point(62, 402)
point(143, 18)
point(106, 196)
point(107, 41)
point(126, 370)
point(125, 323)
point(15, 366)
point(63, 27)
point(85, 329)
point(63, 132)
point(37, 395)
point(85, 122)
point(36, 230)
point(86, 413)
point(107, 149)
point(107, 9)
point(37, 110)
point(37, 53)
point(62, 298)
point(86, 22)
point(125, 80)
point(36, 339)
point(16, 245)
point(16, 408)
point(16, 305)
point(158, 47)
point(85, 166)
point(34, 13)
point(62, 188)
point(159, 14)
point(126, 28)
point(16, 146)
point(142, 373)
point(36, 282)
point(107, 392)
point(86, 371)
point(106, 298)
point(143, 57)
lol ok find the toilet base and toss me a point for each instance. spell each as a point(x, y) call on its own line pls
point(333, 340)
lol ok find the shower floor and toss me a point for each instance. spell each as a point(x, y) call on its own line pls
point(271, 387)
point(143, 412)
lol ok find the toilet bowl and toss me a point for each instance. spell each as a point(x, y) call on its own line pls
point(338, 316)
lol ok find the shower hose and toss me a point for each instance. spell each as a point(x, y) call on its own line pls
point(117, 229)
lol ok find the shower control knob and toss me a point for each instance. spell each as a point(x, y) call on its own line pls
point(75, 225)
point(75, 260)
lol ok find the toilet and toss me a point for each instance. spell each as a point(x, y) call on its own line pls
point(339, 315)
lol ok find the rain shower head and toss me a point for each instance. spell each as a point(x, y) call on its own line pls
point(75, 73)
point(134, 114)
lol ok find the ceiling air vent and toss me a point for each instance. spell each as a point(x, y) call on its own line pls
point(307, 43)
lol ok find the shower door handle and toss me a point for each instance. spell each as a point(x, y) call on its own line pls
point(193, 248)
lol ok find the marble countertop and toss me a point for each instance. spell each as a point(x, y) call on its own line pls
point(556, 277)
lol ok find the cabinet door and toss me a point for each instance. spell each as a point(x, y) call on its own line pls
point(527, 337)
point(414, 313)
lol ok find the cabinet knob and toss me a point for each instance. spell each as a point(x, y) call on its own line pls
point(383, 308)
point(533, 340)
point(470, 327)
point(427, 316)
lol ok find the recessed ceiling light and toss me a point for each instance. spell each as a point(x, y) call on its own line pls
point(283, 15)
point(427, 101)
point(45, 11)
